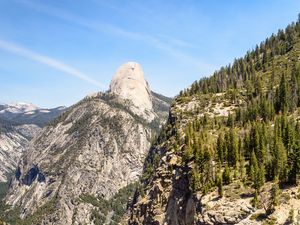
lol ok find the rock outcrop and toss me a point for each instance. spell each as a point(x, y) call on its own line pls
point(88, 154)
point(129, 84)
point(19, 123)
point(13, 140)
point(165, 195)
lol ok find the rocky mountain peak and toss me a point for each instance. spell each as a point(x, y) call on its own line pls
point(19, 107)
point(129, 84)
point(89, 157)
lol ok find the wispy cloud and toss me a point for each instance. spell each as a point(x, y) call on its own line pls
point(103, 27)
point(141, 9)
point(177, 42)
point(51, 62)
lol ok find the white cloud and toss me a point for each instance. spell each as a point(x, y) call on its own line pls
point(51, 62)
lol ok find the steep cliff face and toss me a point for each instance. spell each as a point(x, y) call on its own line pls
point(13, 140)
point(164, 196)
point(18, 124)
point(129, 84)
point(86, 156)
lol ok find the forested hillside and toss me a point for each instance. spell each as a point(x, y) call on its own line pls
point(231, 150)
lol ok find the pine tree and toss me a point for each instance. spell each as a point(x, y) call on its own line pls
point(280, 160)
point(241, 159)
point(275, 195)
point(230, 120)
point(227, 175)
point(294, 163)
point(219, 183)
point(220, 147)
point(283, 95)
point(255, 200)
point(257, 173)
point(232, 149)
point(293, 88)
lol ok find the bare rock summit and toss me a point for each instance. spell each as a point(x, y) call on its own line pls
point(81, 167)
point(129, 84)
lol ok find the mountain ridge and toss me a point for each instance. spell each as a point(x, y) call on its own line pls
point(27, 113)
point(90, 155)
point(19, 123)
point(230, 152)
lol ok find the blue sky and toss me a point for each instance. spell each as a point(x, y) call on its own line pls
point(55, 52)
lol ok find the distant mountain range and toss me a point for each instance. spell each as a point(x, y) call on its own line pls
point(27, 113)
point(19, 123)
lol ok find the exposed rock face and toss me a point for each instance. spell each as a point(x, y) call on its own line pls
point(129, 83)
point(94, 149)
point(18, 124)
point(13, 140)
point(166, 197)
